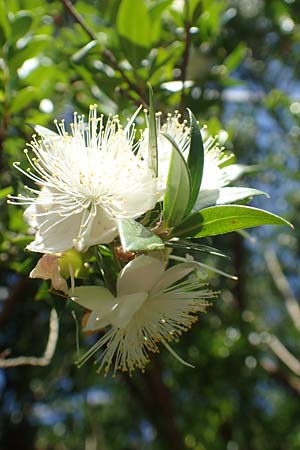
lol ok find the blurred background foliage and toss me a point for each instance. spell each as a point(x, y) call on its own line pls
point(236, 64)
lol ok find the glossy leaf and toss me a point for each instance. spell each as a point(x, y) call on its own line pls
point(80, 54)
point(195, 160)
point(224, 219)
point(5, 29)
point(23, 98)
point(136, 238)
point(43, 131)
point(177, 195)
point(133, 22)
point(223, 196)
point(21, 25)
point(192, 246)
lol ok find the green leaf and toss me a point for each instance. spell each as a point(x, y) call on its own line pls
point(152, 144)
point(156, 10)
point(43, 131)
point(195, 160)
point(136, 238)
point(133, 22)
point(80, 54)
point(224, 219)
point(23, 98)
point(21, 25)
point(32, 49)
point(235, 58)
point(5, 30)
point(223, 196)
point(189, 245)
point(178, 189)
point(5, 192)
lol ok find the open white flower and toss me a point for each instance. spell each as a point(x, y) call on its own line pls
point(152, 305)
point(87, 181)
point(218, 170)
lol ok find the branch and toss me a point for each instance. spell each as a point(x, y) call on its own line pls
point(105, 53)
point(283, 286)
point(43, 360)
point(291, 383)
point(284, 354)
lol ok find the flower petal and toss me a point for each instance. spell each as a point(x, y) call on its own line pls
point(140, 275)
point(172, 275)
point(59, 238)
point(48, 268)
point(96, 321)
point(95, 298)
point(128, 305)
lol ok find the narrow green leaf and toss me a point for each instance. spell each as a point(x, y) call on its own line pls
point(156, 9)
point(20, 25)
point(190, 245)
point(223, 196)
point(235, 58)
point(136, 238)
point(152, 144)
point(80, 54)
point(224, 219)
point(178, 189)
point(195, 160)
point(43, 131)
point(23, 98)
point(5, 29)
point(133, 22)
point(32, 49)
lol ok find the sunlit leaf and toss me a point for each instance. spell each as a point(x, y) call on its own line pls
point(195, 159)
point(223, 196)
point(21, 25)
point(224, 219)
point(133, 22)
point(177, 195)
point(135, 237)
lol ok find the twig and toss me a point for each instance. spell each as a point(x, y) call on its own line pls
point(283, 286)
point(186, 53)
point(284, 354)
point(43, 360)
point(290, 382)
point(105, 53)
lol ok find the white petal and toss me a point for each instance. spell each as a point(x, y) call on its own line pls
point(97, 321)
point(140, 200)
point(172, 275)
point(94, 298)
point(101, 229)
point(235, 171)
point(140, 275)
point(59, 238)
point(128, 305)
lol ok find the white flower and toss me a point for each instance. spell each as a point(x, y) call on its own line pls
point(149, 308)
point(87, 181)
point(218, 171)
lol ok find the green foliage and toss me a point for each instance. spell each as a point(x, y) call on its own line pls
point(136, 238)
point(178, 190)
point(195, 160)
point(224, 219)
